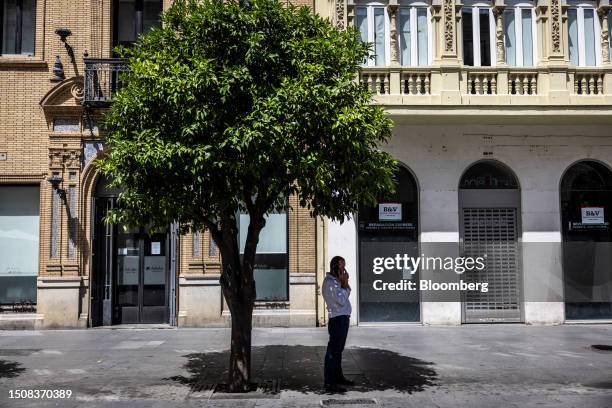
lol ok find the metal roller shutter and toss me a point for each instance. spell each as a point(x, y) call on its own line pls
point(492, 231)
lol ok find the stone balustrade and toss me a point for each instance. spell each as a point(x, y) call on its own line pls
point(588, 83)
point(376, 81)
point(523, 82)
point(501, 85)
point(415, 82)
point(482, 83)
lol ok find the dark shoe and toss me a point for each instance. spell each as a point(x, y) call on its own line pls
point(346, 381)
point(334, 389)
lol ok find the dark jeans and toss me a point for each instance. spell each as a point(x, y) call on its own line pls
point(338, 330)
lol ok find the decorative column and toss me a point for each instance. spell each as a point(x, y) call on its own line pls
point(556, 49)
point(603, 12)
point(605, 34)
point(448, 79)
point(449, 25)
point(392, 10)
point(340, 14)
point(556, 78)
point(394, 73)
point(498, 13)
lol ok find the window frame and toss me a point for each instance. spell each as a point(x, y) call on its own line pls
point(370, 6)
point(414, 6)
point(138, 20)
point(288, 273)
point(475, 8)
point(21, 305)
point(19, 31)
point(518, 8)
point(580, 6)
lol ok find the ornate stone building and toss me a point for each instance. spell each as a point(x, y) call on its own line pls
point(502, 114)
point(60, 265)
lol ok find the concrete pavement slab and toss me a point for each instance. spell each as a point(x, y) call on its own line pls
point(404, 366)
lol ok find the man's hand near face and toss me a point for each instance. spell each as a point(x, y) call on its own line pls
point(344, 279)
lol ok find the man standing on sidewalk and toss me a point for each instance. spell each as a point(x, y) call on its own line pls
point(336, 291)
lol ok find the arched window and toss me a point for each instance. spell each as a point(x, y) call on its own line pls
point(586, 206)
point(489, 217)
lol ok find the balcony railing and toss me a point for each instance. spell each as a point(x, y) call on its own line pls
point(501, 85)
point(103, 78)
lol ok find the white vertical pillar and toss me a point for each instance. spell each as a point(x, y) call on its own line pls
point(342, 241)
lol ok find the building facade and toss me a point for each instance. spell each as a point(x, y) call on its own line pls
point(502, 114)
point(502, 127)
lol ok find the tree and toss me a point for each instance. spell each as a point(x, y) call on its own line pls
point(232, 107)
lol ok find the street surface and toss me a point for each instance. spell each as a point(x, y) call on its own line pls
point(404, 366)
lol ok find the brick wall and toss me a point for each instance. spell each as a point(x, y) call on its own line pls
point(29, 103)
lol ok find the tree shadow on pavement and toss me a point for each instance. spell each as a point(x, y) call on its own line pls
point(10, 369)
point(300, 368)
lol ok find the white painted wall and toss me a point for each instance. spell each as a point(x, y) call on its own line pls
point(342, 241)
point(538, 154)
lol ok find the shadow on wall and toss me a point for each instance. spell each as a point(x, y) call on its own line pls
point(300, 368)
point(10, 369)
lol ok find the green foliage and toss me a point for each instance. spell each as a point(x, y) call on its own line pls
point(233, 107)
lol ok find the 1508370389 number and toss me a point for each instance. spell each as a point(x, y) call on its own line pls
point(40, 394)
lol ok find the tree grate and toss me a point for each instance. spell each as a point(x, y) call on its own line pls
point(354, 401)
point(264, 389)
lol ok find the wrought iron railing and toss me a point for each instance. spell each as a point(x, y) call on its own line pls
point(103, 78)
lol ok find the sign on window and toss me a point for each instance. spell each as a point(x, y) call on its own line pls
point(593, 215)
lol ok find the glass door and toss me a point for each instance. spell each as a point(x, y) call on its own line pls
point(141, 276)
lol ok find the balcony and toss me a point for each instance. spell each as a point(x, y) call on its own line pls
point(102, 80)
point(455, 86)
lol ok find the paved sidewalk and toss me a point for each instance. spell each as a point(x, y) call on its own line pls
point(409, 366)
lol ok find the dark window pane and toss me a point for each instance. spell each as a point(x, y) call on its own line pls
point(587, 243)
point(9, 26)
point(485, 39)
point(485, 175)
point(126, 17)
point(134, 17)
point(28, 25)
point(468, 38)
point(18, 26)
point(151, 12)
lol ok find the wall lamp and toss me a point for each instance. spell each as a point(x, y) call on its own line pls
point(63, 34)
point(56, 181)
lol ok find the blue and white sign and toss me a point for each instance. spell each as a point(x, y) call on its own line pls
point(389, 211)
point(593, 215)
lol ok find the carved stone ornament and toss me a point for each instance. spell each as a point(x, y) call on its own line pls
point(78, 91)
point(392, 9)
point(72, 158)
point(58, 158)
point(605, 35)
point(498, 13)
point(555, 23)
point(449, 26)
point(55, 158)
point(340, 14)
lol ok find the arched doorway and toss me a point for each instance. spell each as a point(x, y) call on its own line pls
point(386, 230)
point(489, 211)
point(586, 203)
point(131, 268)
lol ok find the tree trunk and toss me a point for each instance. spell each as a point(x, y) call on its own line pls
point(239, 291)
point(240, 354)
